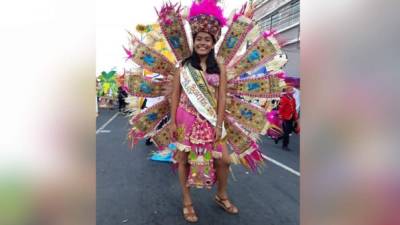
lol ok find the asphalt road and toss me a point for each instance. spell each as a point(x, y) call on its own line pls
point(133, 190)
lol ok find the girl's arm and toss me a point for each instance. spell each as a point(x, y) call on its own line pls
point(176, 92)
point(221, 99)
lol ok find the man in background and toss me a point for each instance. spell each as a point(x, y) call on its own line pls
point(288, 114)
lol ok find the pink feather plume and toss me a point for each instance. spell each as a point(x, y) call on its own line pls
point(240, 13)
point(128, 53)
point(207, 7)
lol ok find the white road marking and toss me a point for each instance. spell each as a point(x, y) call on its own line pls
point(281, 165)
point(105, 131)
point(109, 121)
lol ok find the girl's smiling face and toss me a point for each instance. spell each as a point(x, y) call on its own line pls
point(203, 43)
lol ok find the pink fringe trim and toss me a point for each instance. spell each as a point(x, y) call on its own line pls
point(166, 9)
point(240, 13)
point(272, 33)
point(269, 33)
point(254, 159)
point(134, 136)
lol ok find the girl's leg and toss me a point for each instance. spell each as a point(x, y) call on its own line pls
point(188, 211)
point(222, 170)
point(183, 174)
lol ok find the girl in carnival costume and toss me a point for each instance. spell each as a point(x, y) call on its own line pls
point(206, 113)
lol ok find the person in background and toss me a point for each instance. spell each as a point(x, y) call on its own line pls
point(288, 114)
point(121, 99)
point(296, 95)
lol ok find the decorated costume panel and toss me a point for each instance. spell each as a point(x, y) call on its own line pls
point(172, 26)
point(142, 87)
point(261, 51)
point(146, 121)
point(162, 137)
point(264, 87)
point(249, 115)
point(234, 38)
point(149, 59)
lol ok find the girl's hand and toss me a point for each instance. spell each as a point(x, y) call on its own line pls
point(172, 131)
point(166, 91)
point(218, 133)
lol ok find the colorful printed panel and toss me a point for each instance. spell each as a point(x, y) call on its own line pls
point(141, 87)
point(150, 59)
point(248, 115)
point(162, 137)
point(234, 38)
point(171, 24)
point(260, 52)
point(274, 83)
point(265, 87)
point(147, 120)
point(237, 138)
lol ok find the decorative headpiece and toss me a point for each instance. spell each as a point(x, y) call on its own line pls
point(206, 16)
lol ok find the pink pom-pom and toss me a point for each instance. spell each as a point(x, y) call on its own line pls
point(269, 33)
point(135, 135)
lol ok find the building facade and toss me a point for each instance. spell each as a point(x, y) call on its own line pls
point(282, 16)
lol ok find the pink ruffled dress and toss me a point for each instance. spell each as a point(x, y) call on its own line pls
point(196, 135)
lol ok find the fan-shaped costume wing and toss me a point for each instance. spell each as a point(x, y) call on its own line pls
point(148, 58)
point(141, 87)
point(246, 150)
point(250, 116)
point(261, 51)
point(162, 137)
point(145, 122)
point(234, 37)
point(171, 24)
point(264, 87)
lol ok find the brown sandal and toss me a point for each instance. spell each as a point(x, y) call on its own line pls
point(189, 214)
point(226, 205)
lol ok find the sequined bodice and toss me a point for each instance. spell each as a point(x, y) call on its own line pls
point(213, 79)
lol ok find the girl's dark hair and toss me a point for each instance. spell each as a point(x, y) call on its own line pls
point(211, 62)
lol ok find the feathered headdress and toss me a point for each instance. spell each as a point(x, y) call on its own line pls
point(206, 16)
